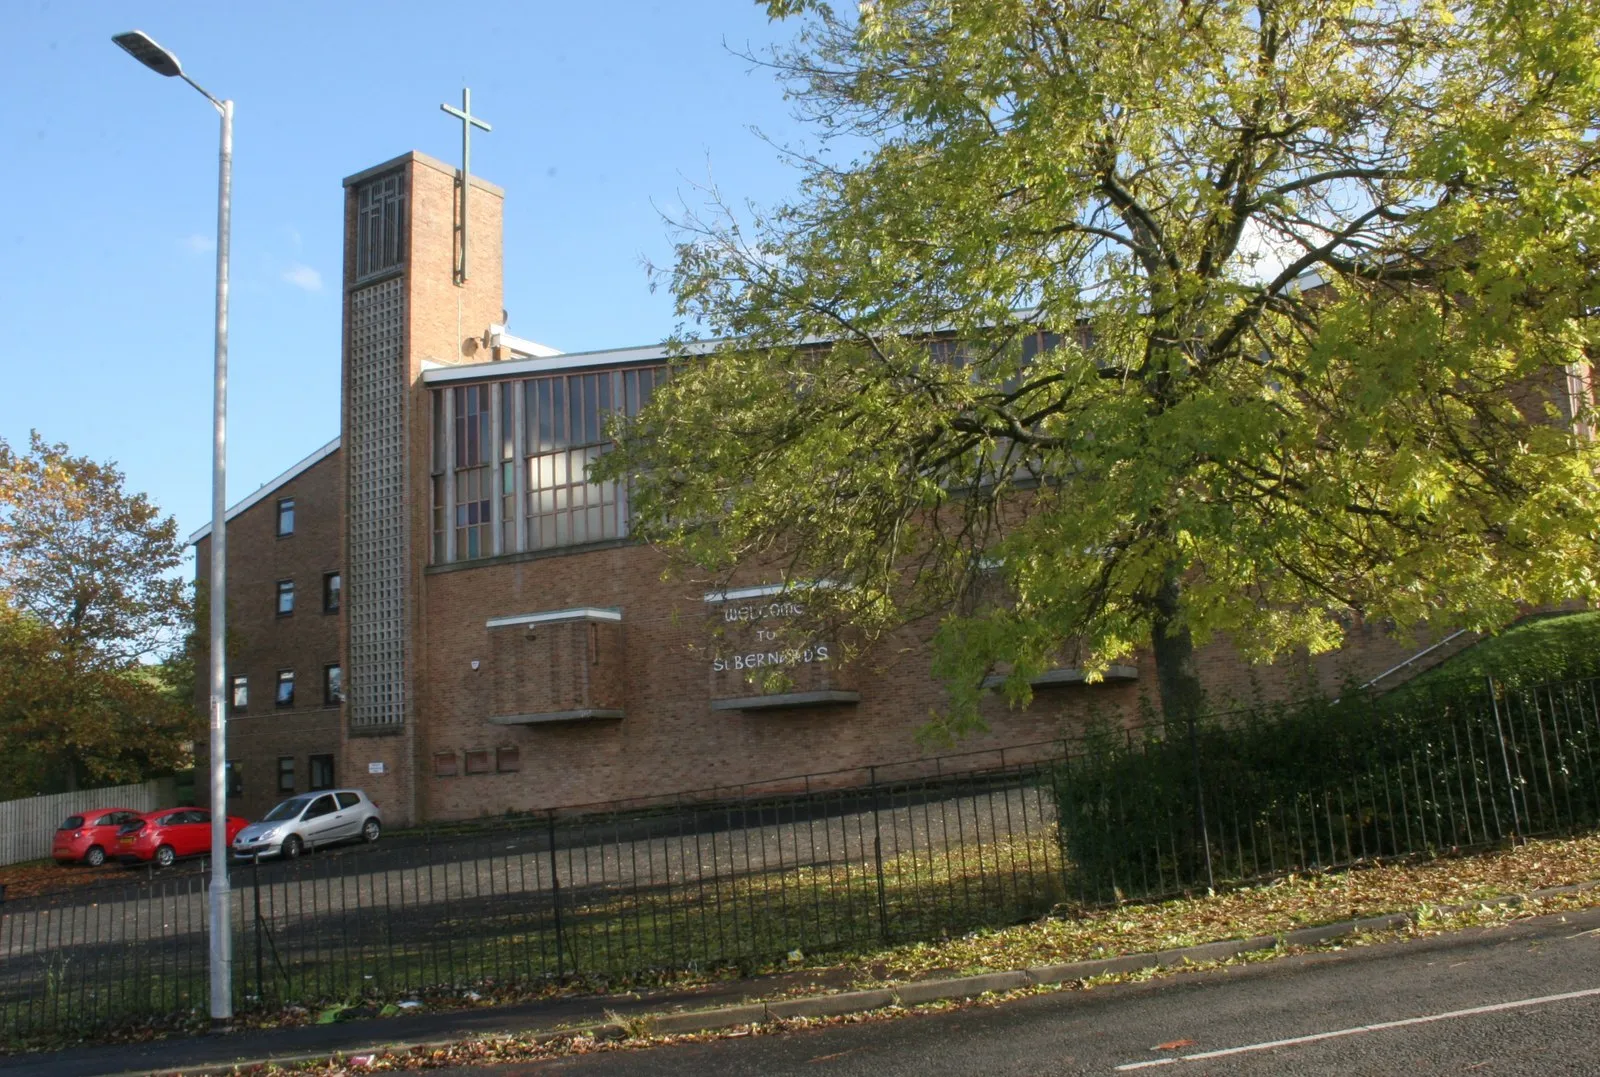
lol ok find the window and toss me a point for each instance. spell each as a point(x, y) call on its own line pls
point(545, 434)
point(285, 696)
point(285, 773)
point(565, 418)
point(285, 516)
point(441, 511)
point(507, 760)
point(320, 807)
point(472, 476)
point(508, 466)
point(479, 762)
point(444, 764)
point(332, 684)
point(285, 597)
point(347, 800)
point(240, 692)
point(321, 771)
point(332, 585)
point(235, 786)
point(380, 224)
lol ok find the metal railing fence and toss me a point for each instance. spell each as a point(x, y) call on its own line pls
point(637, 891)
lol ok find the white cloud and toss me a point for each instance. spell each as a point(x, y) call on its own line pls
point(303, 276)
point(198, 244)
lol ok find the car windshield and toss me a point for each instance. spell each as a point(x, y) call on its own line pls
point(287, 810)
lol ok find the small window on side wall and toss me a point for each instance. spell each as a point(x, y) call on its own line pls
point(507, 760)
point(240, 693)
point(479, 762)
point(321, 771)
point(285, 696)
point(285, 597)
point(445, 765)
point(235, 780)
point(331, 588)
point(285, 516)
point(285, 773)
point(332, 685)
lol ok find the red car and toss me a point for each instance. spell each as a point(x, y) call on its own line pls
point(87, 838)
point(167, 834)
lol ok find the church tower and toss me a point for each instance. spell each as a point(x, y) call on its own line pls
point(422, 285)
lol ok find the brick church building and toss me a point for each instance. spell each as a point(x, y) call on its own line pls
point(437, 607)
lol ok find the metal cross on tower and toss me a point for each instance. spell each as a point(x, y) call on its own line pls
point(468, 122)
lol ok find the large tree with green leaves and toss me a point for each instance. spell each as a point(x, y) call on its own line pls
point(1323, 281)
point(90, 602)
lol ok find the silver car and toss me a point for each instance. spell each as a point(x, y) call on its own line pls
point(310, 821)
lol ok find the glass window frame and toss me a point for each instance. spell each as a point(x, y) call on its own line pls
point(285, 513)
point(285, 590)
point(332, 591)
point(279, 700)
point(239, 693)
point(332, 693)
point(286, 772)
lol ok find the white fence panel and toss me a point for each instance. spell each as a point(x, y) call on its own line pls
point(28, 826)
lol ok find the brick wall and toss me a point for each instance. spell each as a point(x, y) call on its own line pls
point(264, 642)
point(670, 738)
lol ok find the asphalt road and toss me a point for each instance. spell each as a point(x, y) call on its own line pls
point(1505, 977)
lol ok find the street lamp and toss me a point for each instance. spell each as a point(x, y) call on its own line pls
point(140, 46)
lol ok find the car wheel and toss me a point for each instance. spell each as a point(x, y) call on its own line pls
point(166, 856)
point(95, 856)
point(370, 832)
point(293, 847)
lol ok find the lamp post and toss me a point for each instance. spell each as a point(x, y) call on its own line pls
point(140, 46)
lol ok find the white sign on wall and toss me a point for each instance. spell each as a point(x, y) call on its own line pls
point(375, 768)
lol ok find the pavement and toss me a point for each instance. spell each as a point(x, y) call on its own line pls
point(1523, 999)
point(739, 1003)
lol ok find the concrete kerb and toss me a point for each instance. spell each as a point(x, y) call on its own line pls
point(922, 992)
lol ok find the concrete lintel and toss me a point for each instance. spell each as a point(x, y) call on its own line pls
point(548, 617)
point(786, 701)
point(583, 714)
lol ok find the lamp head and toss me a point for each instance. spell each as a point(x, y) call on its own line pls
point(141, 47)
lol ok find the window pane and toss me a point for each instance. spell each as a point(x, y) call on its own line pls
point(241, 692)
point(558, 412)
point(286, 516)
point(508, 438)
point(591, 418)
point(285, 697)
point(285, 596)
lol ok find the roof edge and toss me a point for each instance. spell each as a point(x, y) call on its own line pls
point(420, 158)
point(269, 487)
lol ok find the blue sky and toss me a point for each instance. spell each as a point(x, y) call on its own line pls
point(604, 115)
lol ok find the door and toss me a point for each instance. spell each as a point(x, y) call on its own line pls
point(192, 835)
point(320, 821)
point(349, 815)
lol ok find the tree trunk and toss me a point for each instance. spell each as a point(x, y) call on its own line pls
point(1176, 681)
point(1181, 699)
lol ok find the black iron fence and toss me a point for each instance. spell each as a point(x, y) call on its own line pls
point(634, 891)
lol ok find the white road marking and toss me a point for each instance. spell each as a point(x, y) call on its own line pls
point(1358, 1029)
